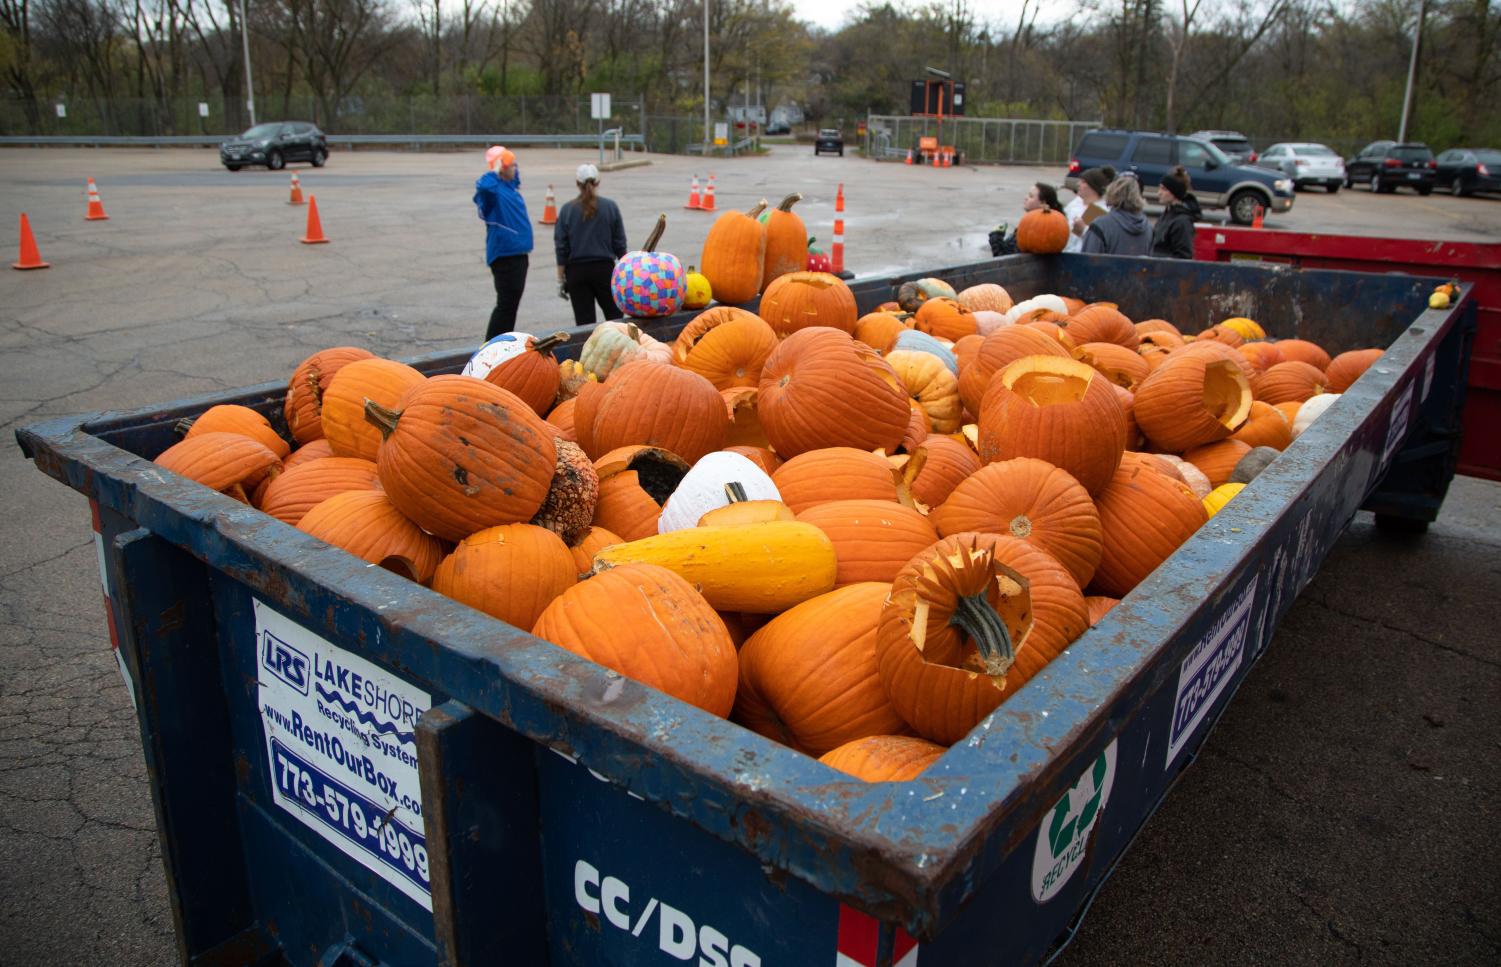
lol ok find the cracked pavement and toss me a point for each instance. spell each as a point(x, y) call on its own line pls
point(1342, 812)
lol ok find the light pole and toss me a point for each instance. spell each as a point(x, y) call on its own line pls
point(706, 78)
point(249, 83)
point(1412, 71)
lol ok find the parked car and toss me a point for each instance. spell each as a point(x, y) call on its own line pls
point(1465, 171)
point(1237, 146)
point(778, 127)
point(829, 139)
point(1306, 163)
point(274, 144)
point(1217, 181)
point(1385, 165)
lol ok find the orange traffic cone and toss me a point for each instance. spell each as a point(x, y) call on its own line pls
point(30, 257)
point(314, 234)
point(909, 156)
point(1256, 218)
point(549, 209)
point(296, 198)
point(96, 207)
point(836, 250)
point(708, 205)
point(693, 202)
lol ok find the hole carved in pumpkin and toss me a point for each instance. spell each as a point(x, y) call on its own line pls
point(1048, 380)
point(1226, 393)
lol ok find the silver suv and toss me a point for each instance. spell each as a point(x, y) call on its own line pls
point(1237, 146)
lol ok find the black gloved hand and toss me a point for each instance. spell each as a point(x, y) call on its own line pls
point(563, 291)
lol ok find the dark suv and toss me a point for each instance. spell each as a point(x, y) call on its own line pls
point(1217, 181)
point(1386, 165)
point(274, 144)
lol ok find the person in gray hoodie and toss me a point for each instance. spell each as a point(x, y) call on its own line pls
point(588, 240)
point(1124, 230)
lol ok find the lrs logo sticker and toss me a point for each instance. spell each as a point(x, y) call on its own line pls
point(1063, 837)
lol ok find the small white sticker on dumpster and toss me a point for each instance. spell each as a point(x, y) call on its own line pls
point(1063, 837)
point(1208, 669)
point(342, 751)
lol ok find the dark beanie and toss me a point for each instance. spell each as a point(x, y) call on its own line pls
point(1176, 185)
point(1097, 179)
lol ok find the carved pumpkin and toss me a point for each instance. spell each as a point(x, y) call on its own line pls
point(1031, 500)
point(613, 344)
point(1159, 325)
point(664, 634)
point(462, 455)
point(1056, 409)
point(532, 374)
point(760, 456)
point(296, 491)
point(936, 467)
point(1289, 382)
point(654, 405)
point(1059, 614)
point(725, 345)
point(999, 350)
point(568, 508)
point(1042, 232)
point(930, 384)
point(733, 255)
point(1145, 516)
point(366, 524)
point(833, 473)
point(950, 635)
point(303, 407)
point(707, 486)
point(381, 380)
point(808, 677)
point(511, 572)
point(1122, 366)
point(801, 300)
point(872, 538)
point(1264, 427)
point(633, 484)
point(648, 283)
point(1191, 399)
point(884, 758)
point(1222, 334)
point(946, 319)
point(1343, 370)
point(786, 242)
point(820, 388)
point(1102, 322)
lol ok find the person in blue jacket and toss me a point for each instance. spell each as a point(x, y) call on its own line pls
point(508, 235)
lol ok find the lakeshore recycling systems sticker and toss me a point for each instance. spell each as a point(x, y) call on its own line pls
point(341, 744)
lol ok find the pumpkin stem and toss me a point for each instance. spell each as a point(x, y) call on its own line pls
point(633, 332)
point(734, 491)
point(974, 616)
point(182, 426)
point(789, 201)
point(546, 345)
point(656, 234)
point(757, 208)
point(381, 418)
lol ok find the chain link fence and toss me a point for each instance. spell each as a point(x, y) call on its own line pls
point(978, 140)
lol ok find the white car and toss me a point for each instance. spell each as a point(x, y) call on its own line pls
point(1306, 163)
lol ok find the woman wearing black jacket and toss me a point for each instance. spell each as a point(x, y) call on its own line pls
point(588, 239)
point(1173, 238)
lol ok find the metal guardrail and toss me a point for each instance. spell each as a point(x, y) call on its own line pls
point(416, 140)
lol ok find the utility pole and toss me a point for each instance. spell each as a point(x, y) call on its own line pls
point(249, 83)
point(708, 133)
point(1412, 71)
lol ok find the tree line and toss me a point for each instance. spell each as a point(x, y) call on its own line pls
point(1275, 69)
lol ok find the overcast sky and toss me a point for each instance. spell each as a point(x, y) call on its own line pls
point(830, 14)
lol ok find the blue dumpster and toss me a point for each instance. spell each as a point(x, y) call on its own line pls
point(348, 768)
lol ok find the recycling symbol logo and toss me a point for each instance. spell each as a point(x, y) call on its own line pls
point(1075, 812)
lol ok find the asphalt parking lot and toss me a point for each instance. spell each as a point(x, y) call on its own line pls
point(1343, 811)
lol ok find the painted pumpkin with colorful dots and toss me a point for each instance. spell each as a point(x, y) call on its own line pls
point(649, 283)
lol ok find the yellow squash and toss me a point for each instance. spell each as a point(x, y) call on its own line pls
point(762, 568)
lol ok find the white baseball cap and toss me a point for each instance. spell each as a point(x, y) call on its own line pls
point(586, 173)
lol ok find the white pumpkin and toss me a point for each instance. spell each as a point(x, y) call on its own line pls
point(1312, 410)
point(988, 321)
point(1050, 302)
point(702, 489)
point(507, 345)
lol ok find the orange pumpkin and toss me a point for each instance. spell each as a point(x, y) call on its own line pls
point(950, 637)
point(594, 540)
point(1191, 399)
point(653, 405)
point(1289, 382)
point(634, 482)
point(725, 345)
point(1122, 366)
point(733, 255)
point(532, 374)
point(220, 461)
point(650, 625)
point(1222, 334)
point(1042, 232)
point(1158, 325)
point(307, 453)
point(872, 538)
point(936, 467)
point(1303, 351)
point(1217, 460)
point(1031, 500)
point(1265, 427)
point(805, 299)
point(1145, 516)
point(232, 418)
point(380, 380)
point(1261, 355)
point(561, 418)
point(786, 242)
point(808, 677)
point(987, 296)
point(294, 492)
point(1059, 614)
point(946, 319)
point(999, 350)
point(366, 524)
point(833, 473)
point(303, 407)
point(820, 388)
point(1343, 370)
point(1099, 606)
point(879, 330)
point(745, 419)
point(1102, 322)
point(884, 758)
point(511, 572)
point(1056, 409)
point(760, 456)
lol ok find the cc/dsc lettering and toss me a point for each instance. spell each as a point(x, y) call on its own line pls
point(677, 935)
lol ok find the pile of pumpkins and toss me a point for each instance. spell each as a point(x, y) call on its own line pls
point(856, 535)
point(744, 253)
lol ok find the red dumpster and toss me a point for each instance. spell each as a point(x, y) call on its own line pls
point(1480, 263)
